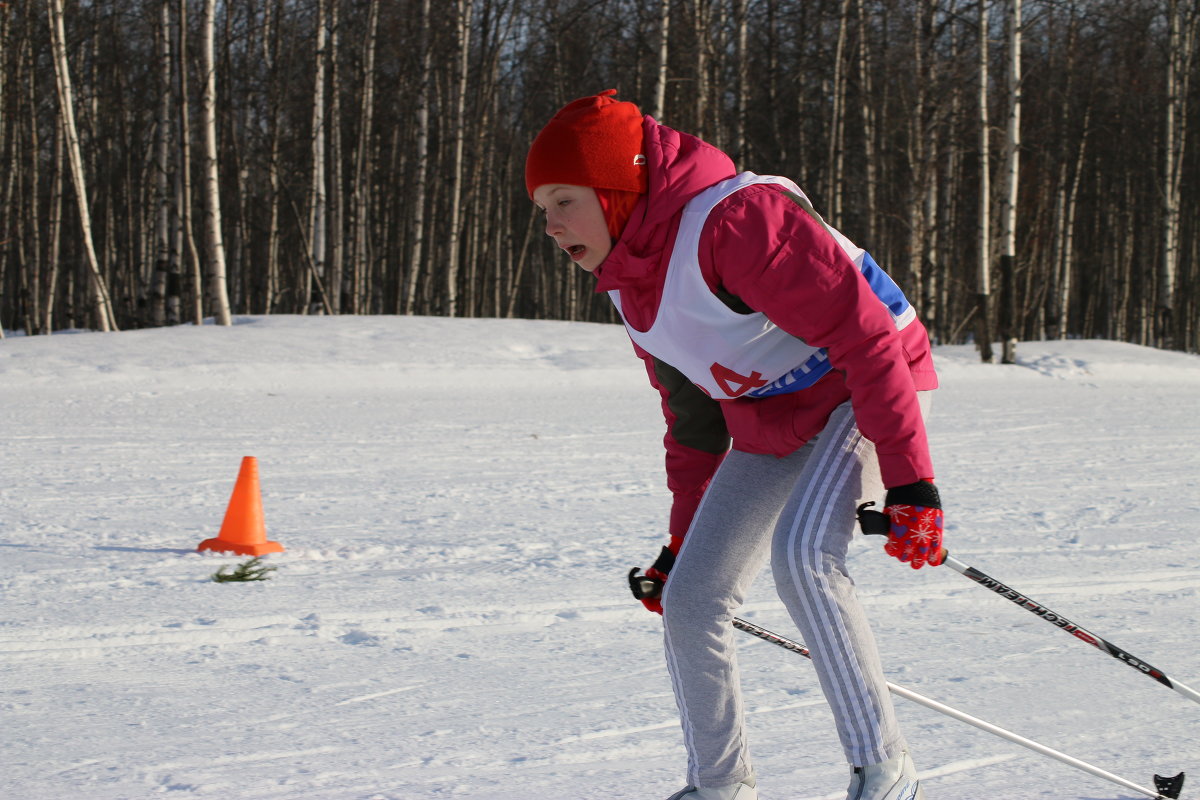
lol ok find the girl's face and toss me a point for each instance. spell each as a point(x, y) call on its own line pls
point(575, 220)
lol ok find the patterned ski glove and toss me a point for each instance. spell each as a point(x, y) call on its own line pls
point(649, 587)
point(915, 535)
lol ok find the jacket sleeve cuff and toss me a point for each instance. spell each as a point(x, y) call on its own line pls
point(899, 469)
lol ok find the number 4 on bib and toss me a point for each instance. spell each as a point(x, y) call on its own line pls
point(734, 384)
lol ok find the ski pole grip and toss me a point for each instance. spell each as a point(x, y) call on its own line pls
point(643, 586)
point(877, 523)
point(873, 523)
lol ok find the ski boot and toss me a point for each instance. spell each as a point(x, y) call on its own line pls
point(738, 791)
point(894, 779)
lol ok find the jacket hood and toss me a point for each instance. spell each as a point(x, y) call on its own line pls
point(679, 166)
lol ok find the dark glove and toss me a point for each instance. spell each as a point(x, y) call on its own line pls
point(915, 534)
point(649, 587)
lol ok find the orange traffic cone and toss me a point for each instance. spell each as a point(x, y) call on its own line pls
point(243, 530)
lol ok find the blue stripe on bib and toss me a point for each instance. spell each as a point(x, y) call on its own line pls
point(817, 365)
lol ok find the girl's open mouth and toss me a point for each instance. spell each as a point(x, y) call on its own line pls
point(576, 251)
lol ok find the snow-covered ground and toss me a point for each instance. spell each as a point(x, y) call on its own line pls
point(460, 501)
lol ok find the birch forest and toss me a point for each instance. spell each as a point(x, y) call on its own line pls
point(1025, 169)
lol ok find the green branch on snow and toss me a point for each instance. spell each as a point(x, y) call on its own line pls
point(251, 570)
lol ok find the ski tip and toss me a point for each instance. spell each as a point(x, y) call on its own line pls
point(1168, 787)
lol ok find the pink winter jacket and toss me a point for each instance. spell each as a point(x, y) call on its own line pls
point(762, 251)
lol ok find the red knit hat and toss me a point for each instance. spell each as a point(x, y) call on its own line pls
point(593, 141)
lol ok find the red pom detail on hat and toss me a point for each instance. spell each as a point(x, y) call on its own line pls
point(593, 141)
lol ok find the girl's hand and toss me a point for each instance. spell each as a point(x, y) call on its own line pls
point(916, 524)
point(649, 587)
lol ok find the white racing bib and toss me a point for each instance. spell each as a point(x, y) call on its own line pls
point(731, 355)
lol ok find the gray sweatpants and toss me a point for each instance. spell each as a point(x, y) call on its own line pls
point(801, 510)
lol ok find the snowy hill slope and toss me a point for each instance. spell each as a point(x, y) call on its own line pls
point(460, 500)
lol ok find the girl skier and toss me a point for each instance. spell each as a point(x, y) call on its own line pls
point(762, 326)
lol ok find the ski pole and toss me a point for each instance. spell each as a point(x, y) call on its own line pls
point(1168, 787)
point(877, 523)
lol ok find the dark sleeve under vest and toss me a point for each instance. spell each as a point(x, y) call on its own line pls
point(699, 423)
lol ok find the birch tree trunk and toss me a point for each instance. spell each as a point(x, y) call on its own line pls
point(950, 209)
point(921, 167)
point(335, 225)
point(459, 122)
point(1067, 261)
point(743, 83)
point(983, 281)
point(420, 182)
point(271, 46)
point(34, 282)
point(102, 305)
point(12, 215)
point(700, 19)
point(53, 234)
point(1181, 22)
point(183, 172)
point(163, 265)
point(1008, 202)
point(660, 81)
point(867, 117)
point(931, 261)
point(274, 283)
point(360, 201)
point(1172, 149)
point(773, 85)
point(218, 292)
point(1058, 290)
point(6, 212)
point(514, 285)
point(837, 123)
point(317, 196)
point(1139, 329)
